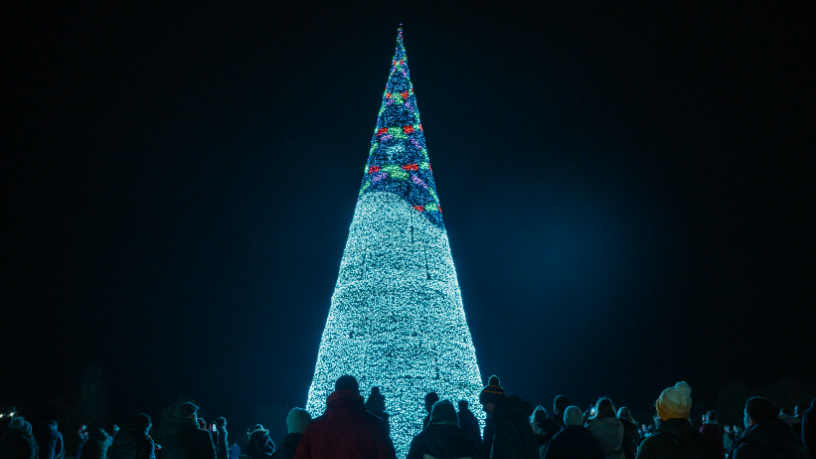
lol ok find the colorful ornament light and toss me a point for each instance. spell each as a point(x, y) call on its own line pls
point(396, 318)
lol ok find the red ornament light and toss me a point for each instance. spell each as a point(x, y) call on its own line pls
point(407, 129)
point(419, 208)
point(382, 131)
point(410, 167)
point(373, 169)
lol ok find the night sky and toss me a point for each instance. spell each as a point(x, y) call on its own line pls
point(627, 191)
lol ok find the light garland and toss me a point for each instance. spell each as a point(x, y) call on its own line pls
point(396, 318)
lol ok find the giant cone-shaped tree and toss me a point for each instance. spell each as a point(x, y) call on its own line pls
point(396, 318)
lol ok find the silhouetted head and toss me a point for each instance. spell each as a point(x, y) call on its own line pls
point(347, 382)
point(560, 404)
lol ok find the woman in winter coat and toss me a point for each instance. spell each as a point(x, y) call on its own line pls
point(18, 441)
point(607, 429)
point(260, 446)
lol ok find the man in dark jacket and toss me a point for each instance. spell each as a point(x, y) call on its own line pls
point(574, 441)
point(468, 422)
point(17, 441)
point(430, 399)
point(185, 440)
point(560, 404)
point(442, 438)
point(631, 438)
point(808, 429)
point(132, 441)
point(766, 436)
point(513, 437)
point(296, 422)
point(376, 406)
point(49, 440)
point(220, 439)
point(345, 429)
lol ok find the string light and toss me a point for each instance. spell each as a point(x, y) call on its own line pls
point(396, 318)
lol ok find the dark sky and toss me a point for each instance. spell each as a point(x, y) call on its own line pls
point(627, 191)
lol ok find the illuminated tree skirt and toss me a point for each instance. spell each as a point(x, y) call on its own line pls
point(396, 318)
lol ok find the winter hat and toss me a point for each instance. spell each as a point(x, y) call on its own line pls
point(443, 412)
point(347, 382)
point(297, 420)
point(573, 416)
point(258, 428)
point(141, 420)
point(185, 409)
point(624, 413)
point(493, 393)
point(674, 402)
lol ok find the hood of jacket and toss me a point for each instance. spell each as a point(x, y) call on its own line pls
point(258, 436)
point(344, 401)
point(178, 426)
point(676, 427)
point(513, 406)
point(774, 434)
point(606, 427)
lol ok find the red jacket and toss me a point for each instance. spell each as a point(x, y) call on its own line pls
point(346, 430)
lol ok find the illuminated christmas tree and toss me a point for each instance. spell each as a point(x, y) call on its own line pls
point(396, 318)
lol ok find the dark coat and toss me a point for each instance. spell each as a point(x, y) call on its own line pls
point(487, 439)
point(808, 429)
point(260, 446)
point(544, 431)
point(513, 438)
point(384, 416)
point(345, 430)
point(631, 438)
point(573, 442)
point(712, 433)
point(469, 423)
point(440, 441)
point(97, 445)
point(676, 439)
point(770, 440)
point(131, 442)
point(16, 445)
point(288, 447)
point(185, 440)
point(220, 442)
point(49, 440)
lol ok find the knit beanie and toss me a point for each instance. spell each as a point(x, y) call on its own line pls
point(573, 416)
point(141, 420)
point(443, 412)
point(21, 424)
point(297, 420)
point(492, 393)
point(674, 402)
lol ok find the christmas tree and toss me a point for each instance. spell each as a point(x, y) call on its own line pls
point(396, 318)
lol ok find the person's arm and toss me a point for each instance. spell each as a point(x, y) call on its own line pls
point(147, 450)
point(59, 448)
point(304, 449)
point(416, 449)
point(384, 447)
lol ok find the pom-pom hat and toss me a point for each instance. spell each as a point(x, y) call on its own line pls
point(492, 393)
point(674, 402)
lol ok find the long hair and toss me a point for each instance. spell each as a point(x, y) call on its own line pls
point(604, 408)
point(539, 415)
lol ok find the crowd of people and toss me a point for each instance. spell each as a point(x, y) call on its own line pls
point(353, 428)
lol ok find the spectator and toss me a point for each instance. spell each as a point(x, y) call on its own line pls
point(469, 423)
point(296, 422)
point(376, 406)
point(631, 437)
point(219, 437)
point(133, 441)
point(82, 437)
point(711, 431)
point(49, 440)
point(260, 446)
point(675, 438)
point(573, 441)
point(184, 439)
point(508, 415)
point(114, 431)
point(808, 433)
point(605, 426)
point(235, 451)
point(544, 428)
point(345, 429)
point(430, 399)
point(560, 403)
point(97, 445)
point(442, 438)
point(18, 441)
point(766, 436)
point(727, 438)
